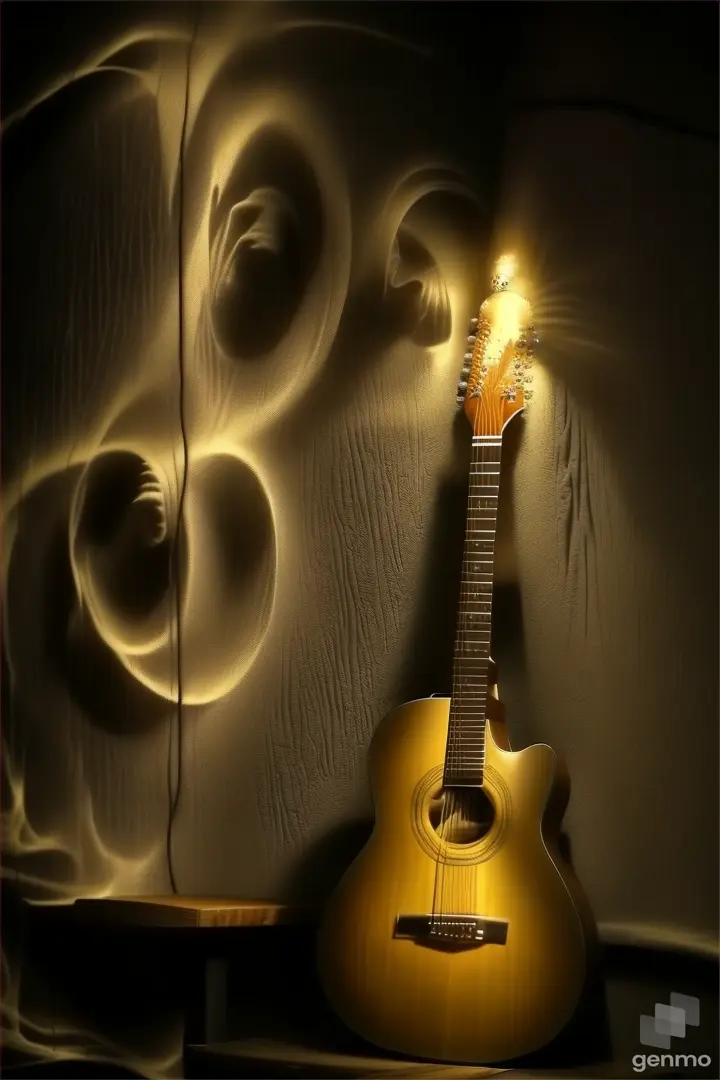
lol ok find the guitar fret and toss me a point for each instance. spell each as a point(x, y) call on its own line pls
point(465, 754)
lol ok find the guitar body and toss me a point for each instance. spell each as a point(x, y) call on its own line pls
point(450, 1000)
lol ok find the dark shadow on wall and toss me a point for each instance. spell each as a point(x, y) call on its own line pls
point(82, 195)
point(427, 668)
point(313, 878)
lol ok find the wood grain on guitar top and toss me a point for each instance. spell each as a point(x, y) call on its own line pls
point(487, 1003)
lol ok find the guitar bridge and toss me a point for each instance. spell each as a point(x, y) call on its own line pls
point(452, 929)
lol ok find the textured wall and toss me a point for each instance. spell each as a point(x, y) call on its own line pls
point(324, 498)
point(330, 248)
point(616, 490)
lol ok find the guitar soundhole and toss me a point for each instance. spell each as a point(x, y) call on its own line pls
point(461, 817)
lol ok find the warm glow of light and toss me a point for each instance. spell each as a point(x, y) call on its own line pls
point(505, 269)
point(508, 314)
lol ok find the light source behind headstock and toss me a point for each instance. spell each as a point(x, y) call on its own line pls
point(497, 366)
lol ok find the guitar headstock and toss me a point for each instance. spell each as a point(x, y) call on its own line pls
point(494, 382)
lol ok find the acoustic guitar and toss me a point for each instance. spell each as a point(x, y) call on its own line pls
point(459, 933)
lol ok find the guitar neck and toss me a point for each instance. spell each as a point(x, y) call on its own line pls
point(465, 754)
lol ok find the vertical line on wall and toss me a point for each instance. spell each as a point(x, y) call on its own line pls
point(176, 553)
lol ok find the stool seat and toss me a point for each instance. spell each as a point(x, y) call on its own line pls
point(187, 911)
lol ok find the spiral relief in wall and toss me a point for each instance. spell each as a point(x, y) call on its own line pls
point(123, 526)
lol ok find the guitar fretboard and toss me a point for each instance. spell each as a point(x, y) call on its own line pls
point(465, 755)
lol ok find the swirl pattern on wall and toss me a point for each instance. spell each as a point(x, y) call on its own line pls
point(273, 249)
point(122, 531)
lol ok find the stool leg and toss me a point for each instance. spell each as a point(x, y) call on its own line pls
point(216, 999)
point(206, 1016)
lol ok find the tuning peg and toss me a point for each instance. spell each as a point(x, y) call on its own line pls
point(462, 387)
point(471, 339)
point(468, 356)
point(473, 323)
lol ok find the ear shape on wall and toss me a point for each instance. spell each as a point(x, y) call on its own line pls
point(416, 291)
point(256, 269)
point(123, 520)
point(265, 235)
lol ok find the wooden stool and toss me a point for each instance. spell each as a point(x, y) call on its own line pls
point(206, 1001)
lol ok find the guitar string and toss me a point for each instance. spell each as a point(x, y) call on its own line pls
point(456, 807)
point(446, 797)
point(487, 455)
point(464, 758)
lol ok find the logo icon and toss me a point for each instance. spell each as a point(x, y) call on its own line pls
point(670, 1021)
